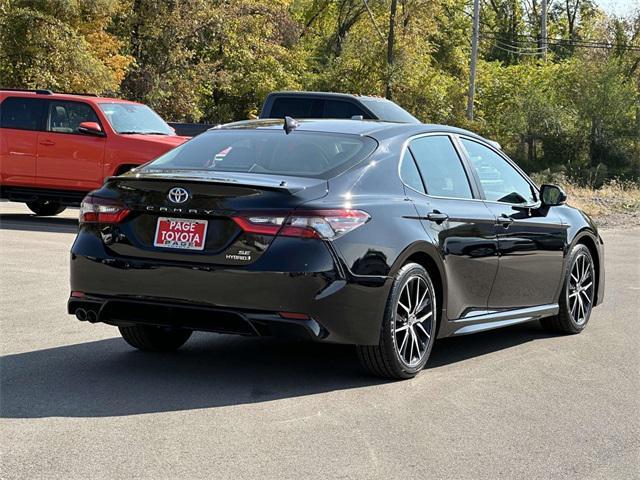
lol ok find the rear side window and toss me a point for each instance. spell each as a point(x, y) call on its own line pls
point(409, 172)
point(21, 113)
point(441, 167)
point(66, 117)
point(296, 107)
point(271, 152)
point(342, 109)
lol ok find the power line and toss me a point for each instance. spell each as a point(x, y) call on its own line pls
point(497, 37)
point(561, 41)
point(516, 52)
point(509, 45)
point(558, 42)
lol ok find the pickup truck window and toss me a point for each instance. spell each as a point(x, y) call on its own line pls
point(342, 109)
point(296, 107)
point(388, 111)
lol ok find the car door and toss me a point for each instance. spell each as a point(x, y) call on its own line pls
point(531, 240)
point(20, 120)
point(457, 221)
point(67, 158)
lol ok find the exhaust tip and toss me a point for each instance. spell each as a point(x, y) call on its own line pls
point(81, 314)
point(92, 316)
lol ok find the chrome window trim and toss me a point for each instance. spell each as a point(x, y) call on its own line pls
point(405, 147)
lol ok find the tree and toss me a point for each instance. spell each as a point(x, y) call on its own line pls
point(64, 46)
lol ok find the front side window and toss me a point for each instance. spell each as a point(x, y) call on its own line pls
point(271, 152)
point(500, 181)
point(132, 118)
point(66, 117)
point(21, 113)
point(441, 167)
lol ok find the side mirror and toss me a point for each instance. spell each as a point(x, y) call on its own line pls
point(552, 195)
point(91, 128)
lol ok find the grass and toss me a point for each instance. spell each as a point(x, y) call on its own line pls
point(614, 198)
point(616, 203)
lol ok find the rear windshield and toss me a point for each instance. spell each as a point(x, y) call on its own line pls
point(272, 152)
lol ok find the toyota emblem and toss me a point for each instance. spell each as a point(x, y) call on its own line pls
point(178, 195)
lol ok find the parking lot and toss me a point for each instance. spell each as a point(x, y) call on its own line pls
point(77, 402)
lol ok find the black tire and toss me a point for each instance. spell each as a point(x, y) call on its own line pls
point(154, 339)
point(568, 321)
point(386, 358)
point(45, 208)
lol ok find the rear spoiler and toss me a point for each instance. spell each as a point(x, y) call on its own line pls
point(282, 186)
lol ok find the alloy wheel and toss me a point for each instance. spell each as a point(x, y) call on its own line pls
point(581, 289)
point(413, 323)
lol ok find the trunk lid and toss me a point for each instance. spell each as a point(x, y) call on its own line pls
point(211, 198)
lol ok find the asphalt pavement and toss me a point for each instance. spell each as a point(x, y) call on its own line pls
point(76, 402)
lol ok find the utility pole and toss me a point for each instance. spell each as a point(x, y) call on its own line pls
point(474, 57)
point(390, 45)
point(543, 29)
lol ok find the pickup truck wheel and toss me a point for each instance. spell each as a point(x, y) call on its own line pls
point(155, 339)
point(45, 208)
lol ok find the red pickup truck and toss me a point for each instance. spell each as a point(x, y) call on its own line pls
point(55, 148)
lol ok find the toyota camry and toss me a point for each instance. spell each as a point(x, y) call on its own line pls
point(381, 235)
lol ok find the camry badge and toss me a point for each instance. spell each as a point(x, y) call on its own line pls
point(178, 195)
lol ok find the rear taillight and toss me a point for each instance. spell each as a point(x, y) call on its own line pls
point(101, 210)
point(323, 224)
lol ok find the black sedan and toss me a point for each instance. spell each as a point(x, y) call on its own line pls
point(382, 235)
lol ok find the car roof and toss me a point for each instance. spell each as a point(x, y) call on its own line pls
point(295, 93)
point(374, 128)
point(61, 96)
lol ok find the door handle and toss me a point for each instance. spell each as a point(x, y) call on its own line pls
point(505, 220)
point(437, 217)
point(47, 143)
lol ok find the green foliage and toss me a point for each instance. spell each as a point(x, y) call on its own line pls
point(575, 113)
point(61, 45)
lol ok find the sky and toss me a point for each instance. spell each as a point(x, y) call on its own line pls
point(621, 8)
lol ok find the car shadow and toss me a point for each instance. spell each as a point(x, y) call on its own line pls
point(108, 378)
point(33, 223)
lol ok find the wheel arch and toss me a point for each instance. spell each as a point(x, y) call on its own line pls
point(589, 239)
point(426, 255)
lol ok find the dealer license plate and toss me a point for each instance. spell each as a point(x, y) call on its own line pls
point(180, 233)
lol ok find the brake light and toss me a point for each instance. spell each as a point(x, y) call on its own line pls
point(323, 224)
point(101, 210)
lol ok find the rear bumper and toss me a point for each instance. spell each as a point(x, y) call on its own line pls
point(123, 311)
point(226, 299)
